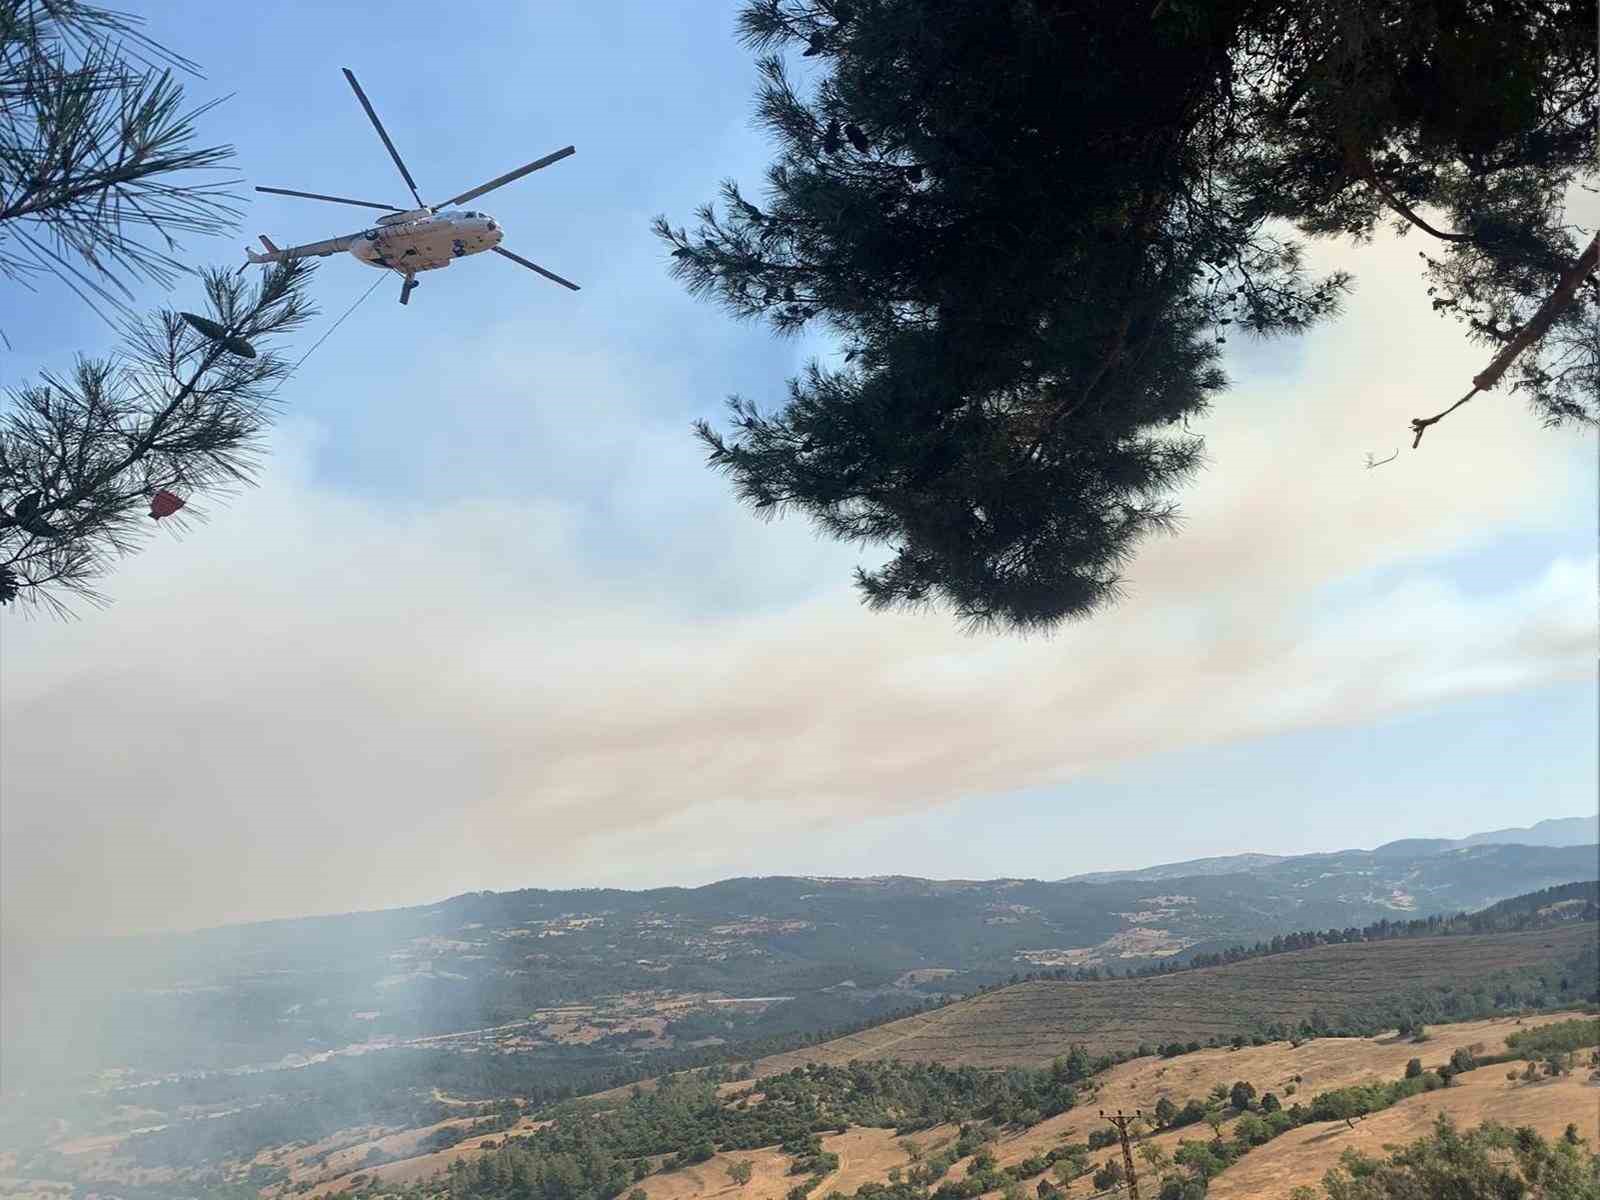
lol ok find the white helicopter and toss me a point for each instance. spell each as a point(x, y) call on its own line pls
point(424, 238)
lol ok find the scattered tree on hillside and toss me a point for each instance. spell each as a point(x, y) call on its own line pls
point(1074, 1164)
point(1032, 227)
point(1487, 1163)
point(740, 1171)
point(1108, 1176)
point(99, 173)
point(1341, 1105)
point(87, 458)
point(1156, 1160)
point(1241, 1095)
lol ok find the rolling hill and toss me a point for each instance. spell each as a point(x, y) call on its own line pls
point(867, 1155)
point(1341, 986)
point(674, 968)
point(308, 1129)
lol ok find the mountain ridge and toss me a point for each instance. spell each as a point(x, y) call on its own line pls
point(1562, 832)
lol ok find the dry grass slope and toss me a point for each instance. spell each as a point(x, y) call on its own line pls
point(1322, 1065)
point(1300, 1156)
point(1303, 1155)
point(1028, 1024)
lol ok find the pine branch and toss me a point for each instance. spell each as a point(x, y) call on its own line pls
point(96, 144)
point(1555, 304)
point(81, 454)
point(1367, 171)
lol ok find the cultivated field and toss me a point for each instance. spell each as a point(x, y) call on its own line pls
point(1028, 1024)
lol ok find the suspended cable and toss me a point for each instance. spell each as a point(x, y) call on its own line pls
point(329, 332)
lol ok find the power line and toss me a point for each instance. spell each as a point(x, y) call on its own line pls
point(1120, 1123)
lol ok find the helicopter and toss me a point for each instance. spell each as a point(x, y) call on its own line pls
point(409, 240)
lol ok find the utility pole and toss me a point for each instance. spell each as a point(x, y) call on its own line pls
point(1120, 1124)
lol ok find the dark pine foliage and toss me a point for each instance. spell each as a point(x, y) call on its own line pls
point(1467, 124)
point(1029, 273)
point(99, 173)
point(1031, 225)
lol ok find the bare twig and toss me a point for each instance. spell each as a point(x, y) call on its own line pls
point(1420, 424)
point(1530, 333)
point(1544, 318)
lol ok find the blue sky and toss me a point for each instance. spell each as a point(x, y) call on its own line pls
point(489, 622)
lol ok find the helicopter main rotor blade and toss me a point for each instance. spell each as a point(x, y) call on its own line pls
point(383, 133)
point(551, 275)
point(330, 199)
point(509, 176)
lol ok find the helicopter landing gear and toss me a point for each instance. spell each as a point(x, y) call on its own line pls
point(406, 289)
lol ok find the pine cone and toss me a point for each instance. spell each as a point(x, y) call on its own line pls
point(164, 504)
point(857, 138)
point(8, 585)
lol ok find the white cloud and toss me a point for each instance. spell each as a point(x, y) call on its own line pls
point(321, 702)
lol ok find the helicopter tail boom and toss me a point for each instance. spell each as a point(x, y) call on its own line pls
point(272, 254)
point(276, 253)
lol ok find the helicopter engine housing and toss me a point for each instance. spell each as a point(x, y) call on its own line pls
point(424, 241)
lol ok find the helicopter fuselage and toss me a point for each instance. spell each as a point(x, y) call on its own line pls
point(422, 241)
point(423, 238)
